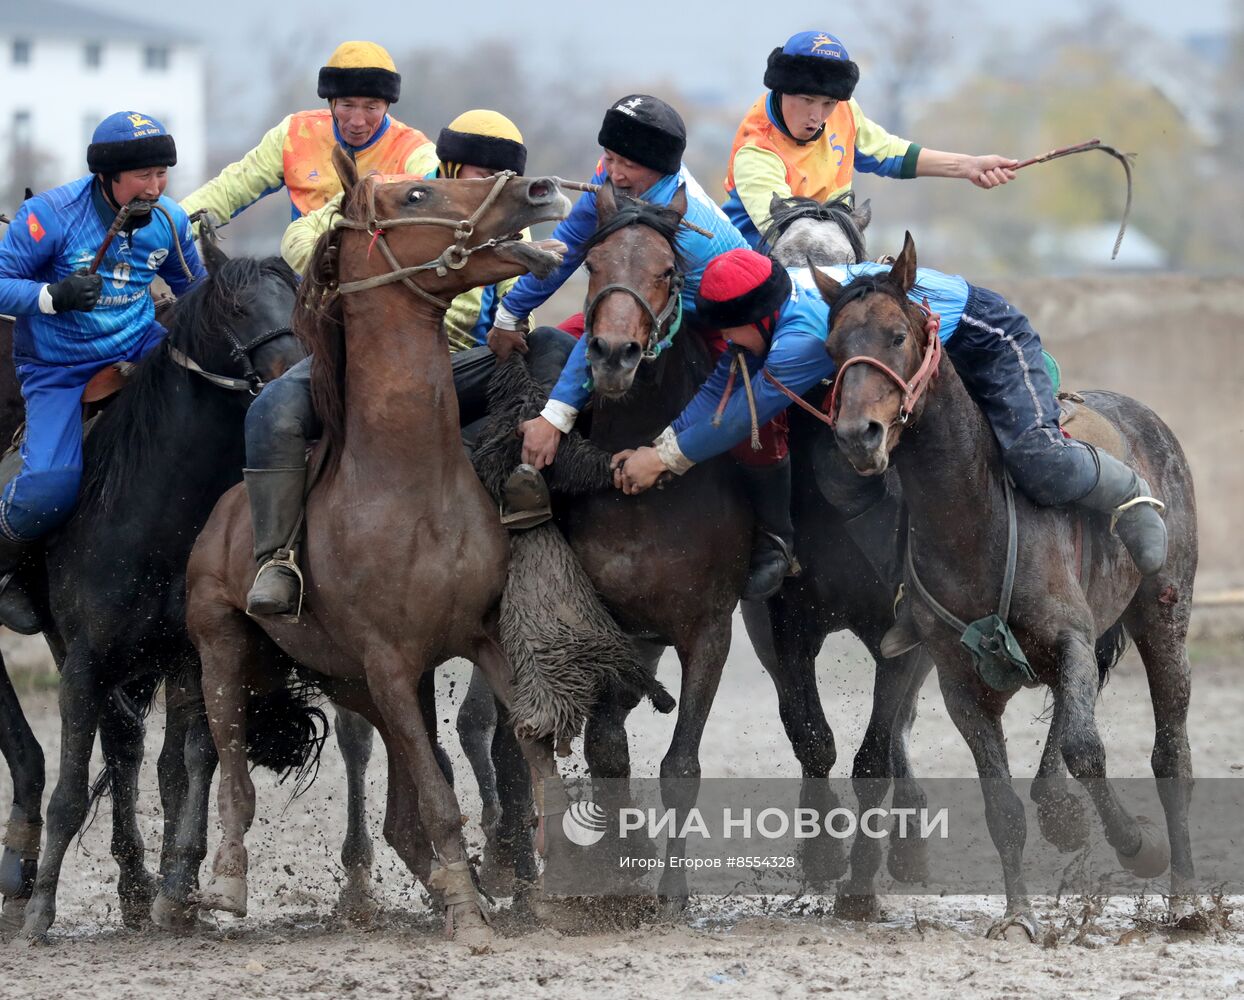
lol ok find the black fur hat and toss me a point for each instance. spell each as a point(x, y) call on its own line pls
point(647, 130)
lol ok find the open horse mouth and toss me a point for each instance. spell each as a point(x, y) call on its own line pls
point(540, 257)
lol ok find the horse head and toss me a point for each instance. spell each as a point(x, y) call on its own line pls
point(446, 236)
point(803, 230)
point(634, 284)
point(886, 352)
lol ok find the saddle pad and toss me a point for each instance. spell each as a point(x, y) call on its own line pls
point(1083, 423)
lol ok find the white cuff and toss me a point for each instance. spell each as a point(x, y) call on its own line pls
point(45, 302)
point(560, 415)
point(506, 320)
point(669, 452)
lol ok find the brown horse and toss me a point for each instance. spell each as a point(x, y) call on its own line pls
point(405, 559)
point(953, 483)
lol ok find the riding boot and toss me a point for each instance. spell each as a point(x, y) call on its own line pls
point(525, 501)
point(876, 533)
point(17, 611)
point(1134, 512)
point(276, 497)
point(768, 488)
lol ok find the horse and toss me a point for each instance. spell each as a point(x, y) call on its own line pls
point(154, 463)
point(803, 230)
point(396, 505)
point(1071, 629)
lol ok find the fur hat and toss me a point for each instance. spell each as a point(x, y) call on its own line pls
point(647, 130)
point(128, 140)
point(483, 139)
point(741, 287)
point(812, 62)
point(360, 69)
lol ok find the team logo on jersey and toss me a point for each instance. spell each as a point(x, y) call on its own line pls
point(37, 232)
point(157, 257)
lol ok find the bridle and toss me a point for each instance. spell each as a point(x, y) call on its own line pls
point(912, 389)
point(251, 380)
point(453, 258)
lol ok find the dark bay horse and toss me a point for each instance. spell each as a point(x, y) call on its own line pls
point(155, 462)
point(949, 463)
point(405, 557)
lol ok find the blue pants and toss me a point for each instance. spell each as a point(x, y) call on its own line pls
point(44, 493)
point(998, 356)
point(282, 422)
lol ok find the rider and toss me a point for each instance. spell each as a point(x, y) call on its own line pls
point(359, 82)
point(282, 420)
point(777, 321)
point(807, 137)
point(74, 321)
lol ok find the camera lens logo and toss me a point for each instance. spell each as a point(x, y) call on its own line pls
point(583, 823)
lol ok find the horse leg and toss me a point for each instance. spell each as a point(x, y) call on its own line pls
point(228, 644)
point(1061, 813)
point(786, 643)
point(354, 738)
point(605, 745)
point(1141, 847)
point(702, 661)
point(477, 724)
point(121, 734)
point(81, 702)
point(173, 909)
point(24, 831)
point(977, 714)
point(394, 683)
point(908, 859)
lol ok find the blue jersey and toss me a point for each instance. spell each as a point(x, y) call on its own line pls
point(58, 232)
point(575, 230)
point(797, 357)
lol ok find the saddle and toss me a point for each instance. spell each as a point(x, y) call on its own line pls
point(1080, 421)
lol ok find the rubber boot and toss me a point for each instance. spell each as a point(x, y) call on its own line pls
point(768, 488)
point(276, 497)
point(525, 501)
point(17, 611)
point(1135, 518)
point(876, 533)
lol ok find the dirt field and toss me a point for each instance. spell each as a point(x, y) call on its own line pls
point(1174, 342)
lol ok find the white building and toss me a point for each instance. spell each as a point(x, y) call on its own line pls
point(64, 68)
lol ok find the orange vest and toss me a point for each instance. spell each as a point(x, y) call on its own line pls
point(309, 173)
point(817, 170)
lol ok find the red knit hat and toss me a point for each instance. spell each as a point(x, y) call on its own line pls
point(741, 287)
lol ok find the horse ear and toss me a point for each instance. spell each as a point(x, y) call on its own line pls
point(903, 272)
point(213, 257)
point(606, 203)
point(863, 215)
point(830, 289)
point(679, 202)
point(346, 169)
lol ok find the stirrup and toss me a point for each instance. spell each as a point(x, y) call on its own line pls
point(1123, 508)
point(525, 499)
point(283, 559)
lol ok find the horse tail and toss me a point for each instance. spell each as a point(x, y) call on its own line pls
point(285, 732)
point(1111, 645)
point(319, 324)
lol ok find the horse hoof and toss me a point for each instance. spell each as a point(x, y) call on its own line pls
point(1018, 928)
point(857, 906)
point(1154, 855)
point(225, 894)
point(824, 862)
point(670, 909)
point(11, 876)
point(465, 924)
point(169, 915)
point(137, 898)
point(496, 871)
point(1063, 821)
point(356, 903)
point(908, 860)
point(12, 917)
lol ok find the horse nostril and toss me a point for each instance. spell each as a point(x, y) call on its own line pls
point(597, 350)
point(874, 434)
point(540, 190)
point(630, 354)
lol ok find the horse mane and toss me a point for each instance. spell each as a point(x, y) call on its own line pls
point(637, 212)
point(839, 211)
point(121, 445)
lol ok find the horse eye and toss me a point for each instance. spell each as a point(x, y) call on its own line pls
point(587, 267)
point(414, 195)
point(899, 340)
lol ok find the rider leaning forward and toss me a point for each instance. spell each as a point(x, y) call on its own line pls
point(71, 324)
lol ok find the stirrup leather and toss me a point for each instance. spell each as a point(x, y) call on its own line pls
point(286, 559)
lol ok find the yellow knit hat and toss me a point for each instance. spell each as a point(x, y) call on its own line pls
point(483, 139)
point(360, 69)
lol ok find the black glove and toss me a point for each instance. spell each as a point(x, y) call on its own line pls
point(77, 293)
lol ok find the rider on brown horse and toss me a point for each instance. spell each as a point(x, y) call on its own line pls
point(777, 322)
point(282, 421)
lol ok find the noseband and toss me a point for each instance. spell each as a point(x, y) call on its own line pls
point(657, 320)
point(912, 389)
point(454, 257)
point(251, 380)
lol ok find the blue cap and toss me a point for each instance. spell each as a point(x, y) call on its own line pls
point(129, 140)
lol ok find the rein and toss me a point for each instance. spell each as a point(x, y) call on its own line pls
point(453, 258)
